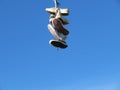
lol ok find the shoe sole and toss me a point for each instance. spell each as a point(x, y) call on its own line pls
point(58, 44)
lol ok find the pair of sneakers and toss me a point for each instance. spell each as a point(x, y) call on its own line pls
point(60, 34)
point(57, 29)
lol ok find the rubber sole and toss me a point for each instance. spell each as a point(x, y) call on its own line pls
point(58, 44)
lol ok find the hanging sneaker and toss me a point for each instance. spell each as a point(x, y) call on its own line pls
point(59, 27)
point(58, 44)
point(64, 11)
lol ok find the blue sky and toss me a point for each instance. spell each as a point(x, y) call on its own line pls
point(91, 62)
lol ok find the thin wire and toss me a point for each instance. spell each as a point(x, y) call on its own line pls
point(56, 3)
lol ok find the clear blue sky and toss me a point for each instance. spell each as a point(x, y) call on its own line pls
point(91, 62)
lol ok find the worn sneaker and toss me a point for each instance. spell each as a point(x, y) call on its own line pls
point(58, 44)
point(59, 27)
point(64, 11)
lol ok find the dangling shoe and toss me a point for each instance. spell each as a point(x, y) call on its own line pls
point(59, 27)
point(64, 11)
point(58, 44)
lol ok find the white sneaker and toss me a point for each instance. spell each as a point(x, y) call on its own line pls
point(64, 11)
